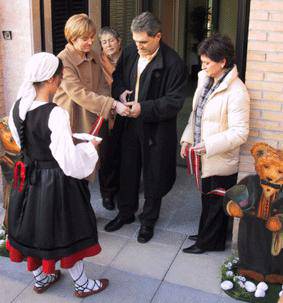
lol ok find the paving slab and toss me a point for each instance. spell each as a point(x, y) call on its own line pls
point(14, 279)
point(111, 245)
point(150, 260)
point(196, 271)
point(179, 222)
point(166, 237)
point(125, 287)
point(226, 299)
point(173, 293)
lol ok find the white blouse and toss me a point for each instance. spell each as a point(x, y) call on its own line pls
point(77, 161)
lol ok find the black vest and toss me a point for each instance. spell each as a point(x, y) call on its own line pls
point(34, 132)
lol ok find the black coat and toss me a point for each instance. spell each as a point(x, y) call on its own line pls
point(162, 92)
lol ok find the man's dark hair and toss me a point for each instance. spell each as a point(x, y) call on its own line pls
point(218, 47)
point(146, 22)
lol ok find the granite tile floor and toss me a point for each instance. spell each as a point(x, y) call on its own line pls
point(156, 272)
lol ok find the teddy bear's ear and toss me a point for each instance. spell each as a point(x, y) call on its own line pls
point(4, 123)
point(261, 150)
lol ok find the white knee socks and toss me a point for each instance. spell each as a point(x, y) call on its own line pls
point(82, 283)
point(41, 278)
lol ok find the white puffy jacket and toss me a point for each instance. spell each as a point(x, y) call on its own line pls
point(224, 126)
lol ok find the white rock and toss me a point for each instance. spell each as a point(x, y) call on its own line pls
point(229, 273)
point(262, 285)
point(281, 293)
point(260, 293)
point(250, 286)
point(241, 278)
point(2, 242)
point(226, 285)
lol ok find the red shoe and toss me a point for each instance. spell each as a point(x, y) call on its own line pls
point(83, 294)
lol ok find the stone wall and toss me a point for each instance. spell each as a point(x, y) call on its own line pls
point(15, 17)
point(2, 102)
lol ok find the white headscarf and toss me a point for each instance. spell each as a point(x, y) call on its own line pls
point(40, 67)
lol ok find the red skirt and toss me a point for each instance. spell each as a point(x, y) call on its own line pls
point(48, 266)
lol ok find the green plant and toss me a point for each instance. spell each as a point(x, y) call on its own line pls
point(229, 272)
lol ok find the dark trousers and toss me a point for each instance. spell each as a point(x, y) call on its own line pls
point(130, 174)
point(109, 157)
point(213, 221)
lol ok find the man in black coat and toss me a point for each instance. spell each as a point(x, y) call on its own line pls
point(154, 77)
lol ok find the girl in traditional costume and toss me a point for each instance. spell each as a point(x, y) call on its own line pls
point(50, 214)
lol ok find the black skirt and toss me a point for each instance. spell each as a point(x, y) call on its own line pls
point(52, 217)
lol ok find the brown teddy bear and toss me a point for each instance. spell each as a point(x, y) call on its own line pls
point(9, 155)
point(258, 201)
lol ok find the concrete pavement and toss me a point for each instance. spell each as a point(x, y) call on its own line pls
point(156, 272)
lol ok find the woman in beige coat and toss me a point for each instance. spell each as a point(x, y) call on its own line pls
point(218, 125)
point(84, 92)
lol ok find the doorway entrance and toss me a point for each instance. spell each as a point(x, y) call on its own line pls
point(185, 23)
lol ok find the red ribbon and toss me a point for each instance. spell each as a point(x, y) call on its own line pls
point(193, 168)
point(19, 172)
point(96, 126)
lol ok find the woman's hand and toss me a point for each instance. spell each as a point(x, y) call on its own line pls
point(200, 149)
point(184, 149)
point(95, 143)
point(122, 109)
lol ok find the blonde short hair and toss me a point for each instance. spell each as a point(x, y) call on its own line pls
point(78, 26)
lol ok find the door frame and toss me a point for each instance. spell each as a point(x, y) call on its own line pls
point(242, 36)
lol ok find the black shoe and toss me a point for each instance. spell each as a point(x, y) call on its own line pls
point(145, 234)
point(193, 250)
point(108, 203)
point(193, 237)
point(117, 223)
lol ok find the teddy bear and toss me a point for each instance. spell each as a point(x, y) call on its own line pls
point(258, 201)
point(9, 155)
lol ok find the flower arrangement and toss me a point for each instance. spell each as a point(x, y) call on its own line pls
point(242, 289)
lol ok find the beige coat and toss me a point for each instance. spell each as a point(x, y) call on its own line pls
point(83, 92)
point(224, 126)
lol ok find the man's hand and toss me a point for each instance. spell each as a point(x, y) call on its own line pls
point(135, 110)
point(122, 109)
point(124, 95)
